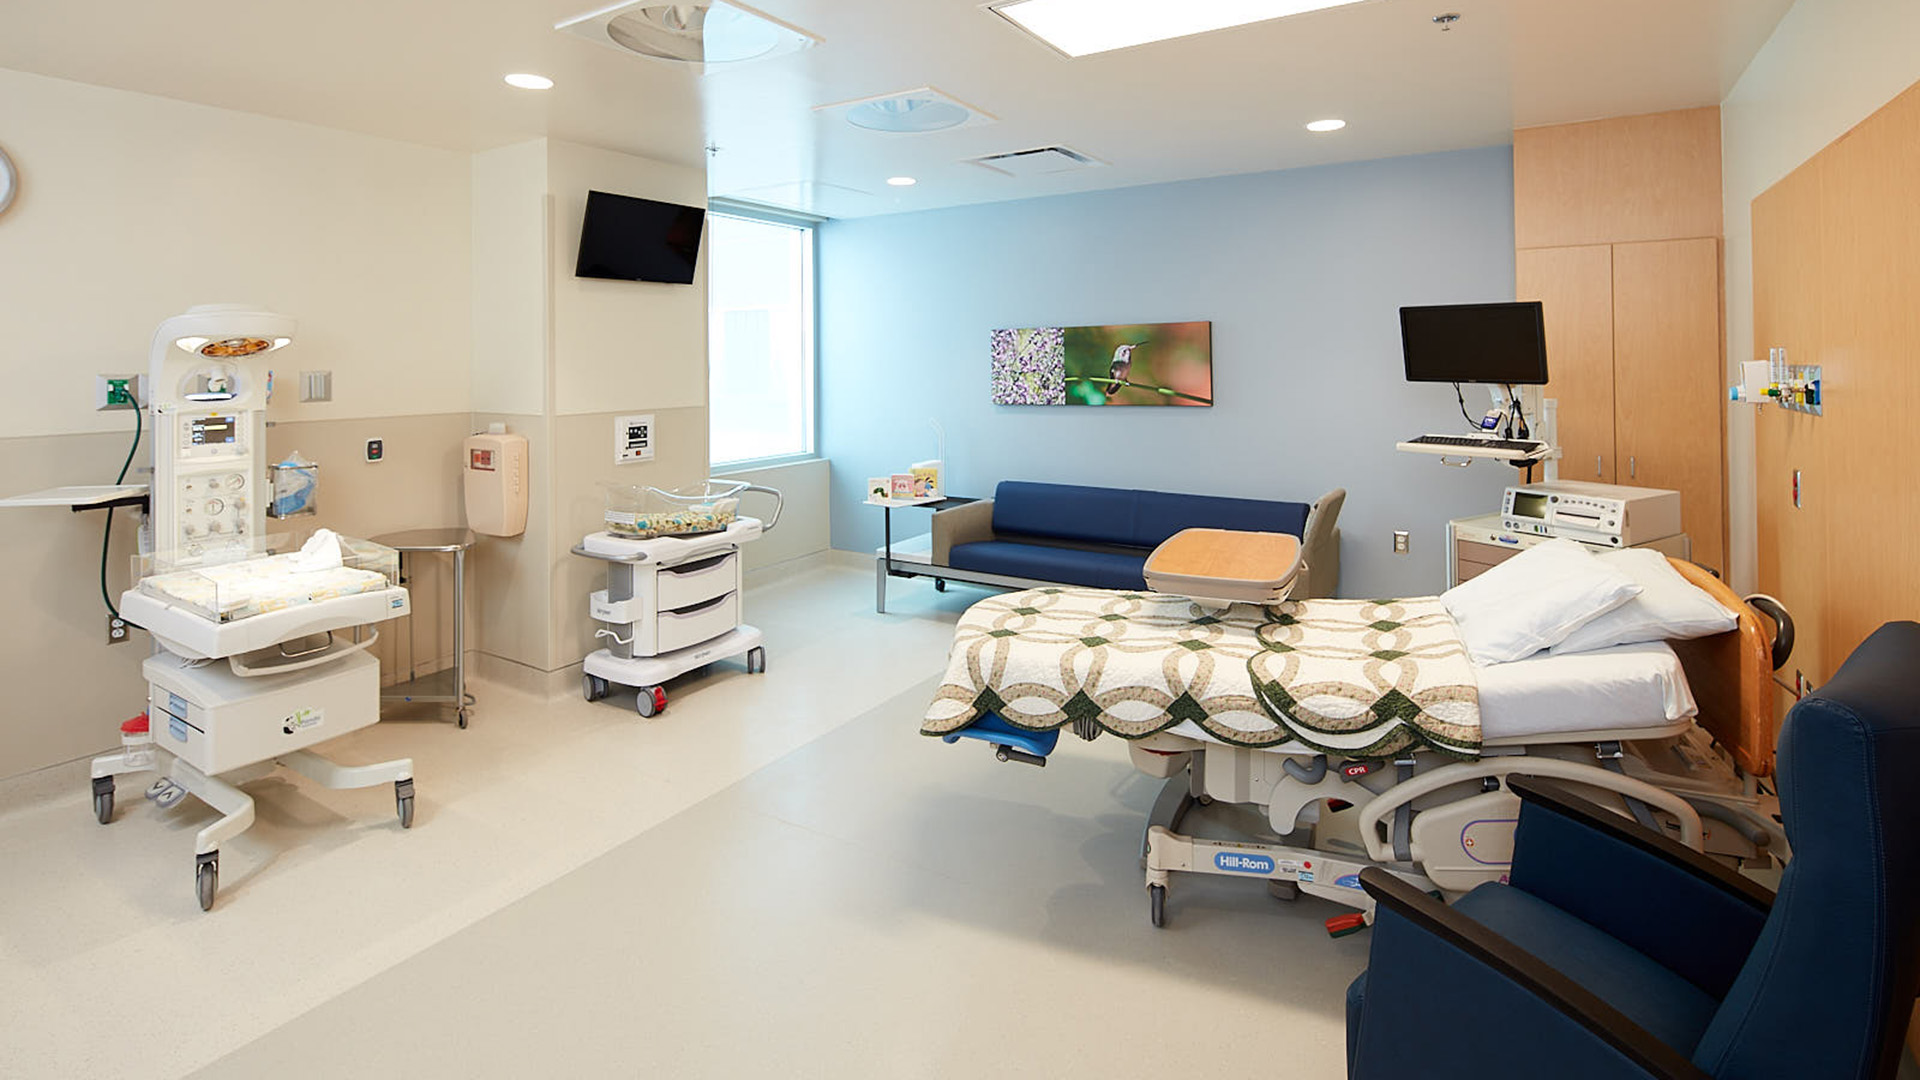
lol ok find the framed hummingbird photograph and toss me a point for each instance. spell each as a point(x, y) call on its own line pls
point(1131, 364)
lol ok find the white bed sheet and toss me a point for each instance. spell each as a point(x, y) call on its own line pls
point(1621, 688)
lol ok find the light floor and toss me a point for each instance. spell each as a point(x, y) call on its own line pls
point(777, 876)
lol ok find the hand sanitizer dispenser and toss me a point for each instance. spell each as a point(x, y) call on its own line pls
point(496, 482)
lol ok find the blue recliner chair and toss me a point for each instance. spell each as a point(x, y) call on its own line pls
point(1615, 952)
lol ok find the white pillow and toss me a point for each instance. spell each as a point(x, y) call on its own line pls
point(1534, 601)
point(1668, 607)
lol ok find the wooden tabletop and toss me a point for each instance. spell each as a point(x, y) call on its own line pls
point(1226, 555)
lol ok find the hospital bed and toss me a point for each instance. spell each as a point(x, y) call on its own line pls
point(1678, 735)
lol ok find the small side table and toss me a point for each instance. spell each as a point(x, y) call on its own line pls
point(434, 688)
point(887, 565)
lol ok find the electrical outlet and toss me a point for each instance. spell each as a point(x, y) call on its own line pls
point(116, 630)
point(1400, 541)
point(117, 391)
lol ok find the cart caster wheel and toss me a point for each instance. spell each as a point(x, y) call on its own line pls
point(1204, 800)
point(403, 802)
point(461, 719)
point(206, 878)
point(1283, 890)
point(650, 700)
point(939, 584)
point(1157, 904)
point(103, 799)
point(593, 687)
point(757, 660)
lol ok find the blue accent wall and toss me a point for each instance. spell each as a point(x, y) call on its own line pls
point(1302, 274)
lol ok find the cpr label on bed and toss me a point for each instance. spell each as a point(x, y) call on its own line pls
point(302, 720)
point(1242, 863)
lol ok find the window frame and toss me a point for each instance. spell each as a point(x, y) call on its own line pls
point(809, 225)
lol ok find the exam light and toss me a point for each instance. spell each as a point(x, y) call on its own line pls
point(1084, 27)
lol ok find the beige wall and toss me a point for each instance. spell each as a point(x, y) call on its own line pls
point(623, 345)
point(805, 523)
point(1828, 65)
point(132, 208)
point(510, 282)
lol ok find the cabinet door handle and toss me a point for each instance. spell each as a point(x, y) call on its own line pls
point(1597, 471)
point(1633, 467)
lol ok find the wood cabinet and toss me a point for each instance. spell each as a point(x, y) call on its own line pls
point(1617, 228)
point(1634, 353)
point(1575, 288)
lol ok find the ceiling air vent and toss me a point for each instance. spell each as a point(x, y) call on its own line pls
point(908, 112)
point(1039, 161)
point(705, 32)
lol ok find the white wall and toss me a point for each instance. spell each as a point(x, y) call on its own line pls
point(623, 344)
point(510, 279)
point(1829, 65)
point(133, 208)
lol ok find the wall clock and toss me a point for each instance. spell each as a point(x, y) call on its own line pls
point(9, 181)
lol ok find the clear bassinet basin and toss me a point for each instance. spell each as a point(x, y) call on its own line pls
point(643, 513)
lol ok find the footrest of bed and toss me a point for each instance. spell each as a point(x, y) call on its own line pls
point(1010, 743)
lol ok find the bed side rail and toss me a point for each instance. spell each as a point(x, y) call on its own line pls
point(1731, 674)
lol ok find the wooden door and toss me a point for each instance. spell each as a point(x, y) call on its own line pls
point(1575, 288)
point(1869, 347)
point(1668, 399)
point(1789, 263)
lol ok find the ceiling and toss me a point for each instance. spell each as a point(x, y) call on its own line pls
point(1233, 101)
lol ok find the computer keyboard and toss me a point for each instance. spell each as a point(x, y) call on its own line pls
point(1472, 446)
point(1469, 440)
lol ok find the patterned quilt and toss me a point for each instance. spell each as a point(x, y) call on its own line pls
point(1358, 678)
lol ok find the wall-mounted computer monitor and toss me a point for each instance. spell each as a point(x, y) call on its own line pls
point(1475, 343)
point(631, 239)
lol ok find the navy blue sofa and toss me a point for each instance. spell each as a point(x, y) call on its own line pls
point(1065, 534)
point(1615, 952)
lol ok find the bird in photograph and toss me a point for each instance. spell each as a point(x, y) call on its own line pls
point(1122, 363)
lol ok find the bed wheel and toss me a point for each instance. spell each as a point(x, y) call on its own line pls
point(1157, 904)
point(206, 878)
point(403, 802)
point(650, 700)
point(757, 660)
point(103, 800)
point(593, 687)
point(939, 584)
point(1203, 800)
point(1283, 890)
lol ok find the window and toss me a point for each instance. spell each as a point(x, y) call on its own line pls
point(759, 338)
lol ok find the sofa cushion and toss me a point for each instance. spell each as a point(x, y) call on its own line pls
point(1672, 1009)
point(1094, 569)
point(1159, 514)
point(1083, 515)
point(1094, 515)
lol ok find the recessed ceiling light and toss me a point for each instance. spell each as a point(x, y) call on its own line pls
point(529, 82)
point(1084, 27)
point(1326, 125)
point(902, 181)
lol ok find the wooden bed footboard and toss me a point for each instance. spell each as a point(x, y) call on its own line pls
point(1731, 675)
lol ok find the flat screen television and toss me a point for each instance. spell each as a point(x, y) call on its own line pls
point(629, 239)
point(1475, 343)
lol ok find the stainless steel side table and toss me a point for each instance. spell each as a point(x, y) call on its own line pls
point(448, 687)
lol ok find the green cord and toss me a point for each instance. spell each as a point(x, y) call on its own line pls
point(106, 534)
